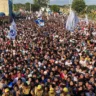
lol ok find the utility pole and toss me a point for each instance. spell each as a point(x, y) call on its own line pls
point(30, 7)
point(39, 2)
point(70, 4)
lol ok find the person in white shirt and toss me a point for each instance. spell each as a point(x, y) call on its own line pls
point(68, 63)
point(83, 62)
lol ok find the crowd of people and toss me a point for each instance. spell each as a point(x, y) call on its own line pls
point(48, 60)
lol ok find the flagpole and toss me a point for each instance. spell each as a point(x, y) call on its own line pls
point(13, 5)
point(70, 5)
point(30, 7)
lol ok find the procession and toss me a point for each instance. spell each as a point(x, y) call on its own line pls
point(48, 55)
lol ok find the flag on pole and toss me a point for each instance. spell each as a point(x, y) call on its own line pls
point(12, 34)
point(13, 24)
point(72, 21)
point(40, 22)
point(86, 19)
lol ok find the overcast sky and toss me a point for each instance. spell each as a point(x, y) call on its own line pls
point(58, 2)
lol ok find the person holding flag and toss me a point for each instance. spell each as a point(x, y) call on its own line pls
point(40, 22)
point(13, 32)
point(86, 19)
point(72, 21)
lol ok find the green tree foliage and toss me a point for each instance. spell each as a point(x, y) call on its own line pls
point(41, 2)
point(90, 8)
point(55, 8)
point(27, 6)
point(36, 2)
point(91, 11)
point(79, 5)
point(18, 6)
point(35, 7)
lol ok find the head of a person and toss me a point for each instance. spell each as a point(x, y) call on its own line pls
point(7, 92)
point(65, 90)
point(51, 90)
point(39, 87)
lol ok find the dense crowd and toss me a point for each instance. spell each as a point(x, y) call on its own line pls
point(49, 60)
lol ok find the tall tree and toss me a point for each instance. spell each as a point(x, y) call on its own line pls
point(35, 7)
point(27, 5)
point(78, 5)
point(41, 2)
point(55, 8)
point(18, 6)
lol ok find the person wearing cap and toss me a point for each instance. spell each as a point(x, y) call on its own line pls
point(26, 90)
point(65, 92)
point(34, 90)
point(52, 92)
point(39, 91)
point(7, 92)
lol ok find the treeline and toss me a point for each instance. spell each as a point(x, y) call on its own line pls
point(91, 8)
point(27, 7)
point(16, 7)
point(34, 7)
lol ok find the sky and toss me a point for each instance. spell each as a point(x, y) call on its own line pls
point(58, 2)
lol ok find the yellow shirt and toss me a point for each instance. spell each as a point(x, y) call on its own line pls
point(35, 90)
point(51, 94)
point(5, 95)
point(26, 91)
point(88, 42)
point(87, 59)
point(39, 93)
point(64, 95)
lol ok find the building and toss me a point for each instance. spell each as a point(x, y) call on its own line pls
point(6, 7)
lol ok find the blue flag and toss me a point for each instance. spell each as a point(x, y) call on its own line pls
point(13, 25)
point(40, 22)
point(10, 85)
point(12, 34)
point(72, 21)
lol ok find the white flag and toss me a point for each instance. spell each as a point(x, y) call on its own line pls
point(72, 21)
point(12, 34)
point(86, 19)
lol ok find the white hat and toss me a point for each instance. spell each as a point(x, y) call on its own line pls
point(45, 72)
point(30, 75)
